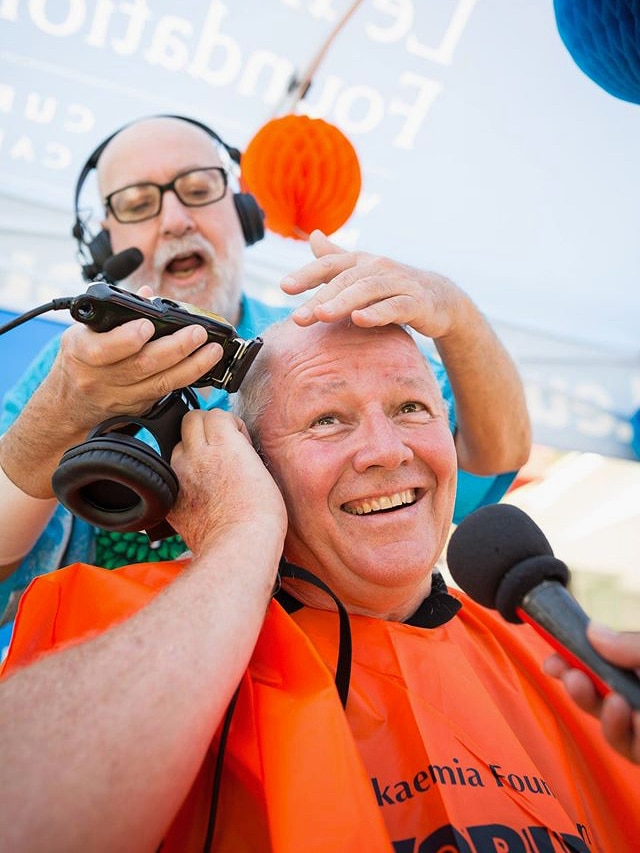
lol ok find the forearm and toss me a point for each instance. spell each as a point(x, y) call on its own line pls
point(493, 426)
point(30, 451)
point(50, 423)
point(21, 523)
point(122, 722)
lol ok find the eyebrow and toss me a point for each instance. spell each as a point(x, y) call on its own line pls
point(181, 171)
point(409, 383)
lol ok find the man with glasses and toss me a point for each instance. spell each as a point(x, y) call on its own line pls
point(164, 185)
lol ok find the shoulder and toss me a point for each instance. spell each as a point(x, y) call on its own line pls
point(257, 315)
point(17, 396)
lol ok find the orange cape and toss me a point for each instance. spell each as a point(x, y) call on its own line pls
point(453, 738)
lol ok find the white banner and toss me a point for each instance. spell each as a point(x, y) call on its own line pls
point(487, 155)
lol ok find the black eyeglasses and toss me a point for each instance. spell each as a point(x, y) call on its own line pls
point(194, 188)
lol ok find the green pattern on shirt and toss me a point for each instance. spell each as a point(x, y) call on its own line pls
point(115, 549)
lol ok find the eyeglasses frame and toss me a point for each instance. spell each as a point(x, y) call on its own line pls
point(170, 185)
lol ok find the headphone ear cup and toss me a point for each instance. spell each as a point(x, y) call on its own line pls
point(251, 217)
point(116, 482)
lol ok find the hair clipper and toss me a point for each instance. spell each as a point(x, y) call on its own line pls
point(104, 306)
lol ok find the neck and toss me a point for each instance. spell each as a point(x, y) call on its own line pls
point(391, 605)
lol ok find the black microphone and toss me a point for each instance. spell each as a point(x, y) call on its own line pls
point(123, 264)
point(499, 556)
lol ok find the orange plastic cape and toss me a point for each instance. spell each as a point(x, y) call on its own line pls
point(453, 738)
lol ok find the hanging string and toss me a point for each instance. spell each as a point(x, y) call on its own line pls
point(299, 86)
point(304, 172)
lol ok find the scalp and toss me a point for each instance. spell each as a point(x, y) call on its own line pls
point(161, 133)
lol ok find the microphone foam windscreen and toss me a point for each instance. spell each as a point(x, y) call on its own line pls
point(123, 264)
point(487, 544)
point(523, 578)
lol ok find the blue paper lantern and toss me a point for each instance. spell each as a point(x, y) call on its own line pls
point(635, 436)
point(603, 37)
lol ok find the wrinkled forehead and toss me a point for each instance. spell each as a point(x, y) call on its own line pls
point(341, 350)
point(155, 150)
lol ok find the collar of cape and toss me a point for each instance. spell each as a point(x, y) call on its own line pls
point(438, 608)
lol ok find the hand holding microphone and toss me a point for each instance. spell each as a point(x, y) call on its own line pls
point(501, 559)
point(619, 722)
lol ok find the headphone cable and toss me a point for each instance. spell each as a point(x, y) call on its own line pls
point(64, 302)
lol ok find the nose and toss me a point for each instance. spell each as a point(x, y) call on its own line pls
point(175, 218)
point(380, 443)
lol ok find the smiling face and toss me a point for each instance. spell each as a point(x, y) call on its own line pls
point(191, 254)
point(357, 438)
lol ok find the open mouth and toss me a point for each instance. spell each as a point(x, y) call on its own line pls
point(384, 503)
point(183, 266)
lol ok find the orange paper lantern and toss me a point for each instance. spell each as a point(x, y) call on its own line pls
point(304, 173)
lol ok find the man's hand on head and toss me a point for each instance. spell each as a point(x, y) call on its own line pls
point(373, 290)
point(223, 481)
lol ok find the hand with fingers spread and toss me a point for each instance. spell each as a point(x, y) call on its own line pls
point(619, 722)
point(374, 291)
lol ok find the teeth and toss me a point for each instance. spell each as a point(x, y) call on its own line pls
point(408, 496)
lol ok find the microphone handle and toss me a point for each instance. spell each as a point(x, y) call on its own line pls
point(557, 616)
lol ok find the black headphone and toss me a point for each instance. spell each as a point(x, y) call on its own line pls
point(116, 481)
point(99, 247)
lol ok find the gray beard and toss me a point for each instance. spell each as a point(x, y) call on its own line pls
point(218, 290)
